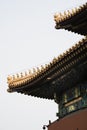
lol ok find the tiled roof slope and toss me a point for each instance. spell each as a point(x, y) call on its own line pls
point(42, 81)
point(74, 20)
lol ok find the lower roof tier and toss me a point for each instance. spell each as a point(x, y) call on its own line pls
point(63, 72)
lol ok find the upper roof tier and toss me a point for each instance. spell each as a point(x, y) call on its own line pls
point(63, 72)
point(74, 20)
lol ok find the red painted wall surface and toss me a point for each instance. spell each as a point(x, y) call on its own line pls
point(74, 121)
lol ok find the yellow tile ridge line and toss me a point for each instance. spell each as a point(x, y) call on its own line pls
point(59, 17)
point(21, 78)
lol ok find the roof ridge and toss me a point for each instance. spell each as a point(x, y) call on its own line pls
point(59, 17)
point(28, 76)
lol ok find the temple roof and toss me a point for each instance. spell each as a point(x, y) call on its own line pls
point(63, 72)
point(74, 20)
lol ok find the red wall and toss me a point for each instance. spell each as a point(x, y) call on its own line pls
point(74, 121)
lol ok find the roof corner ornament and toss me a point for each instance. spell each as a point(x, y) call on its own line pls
point(26, 74)
point(42, 67)
point(57, 17)
point(21, 75)
point(9, 79)
point(17, 75)
point(30, 72)
point(34, 70)
point(38, 69)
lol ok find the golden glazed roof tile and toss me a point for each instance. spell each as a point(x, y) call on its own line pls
point(59, 17)
point(74, 20)
point(27, 77)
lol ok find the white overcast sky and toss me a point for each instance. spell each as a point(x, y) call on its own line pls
point(28, 38)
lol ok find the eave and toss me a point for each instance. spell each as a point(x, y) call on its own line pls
point(74, 20)
point(58, 75)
